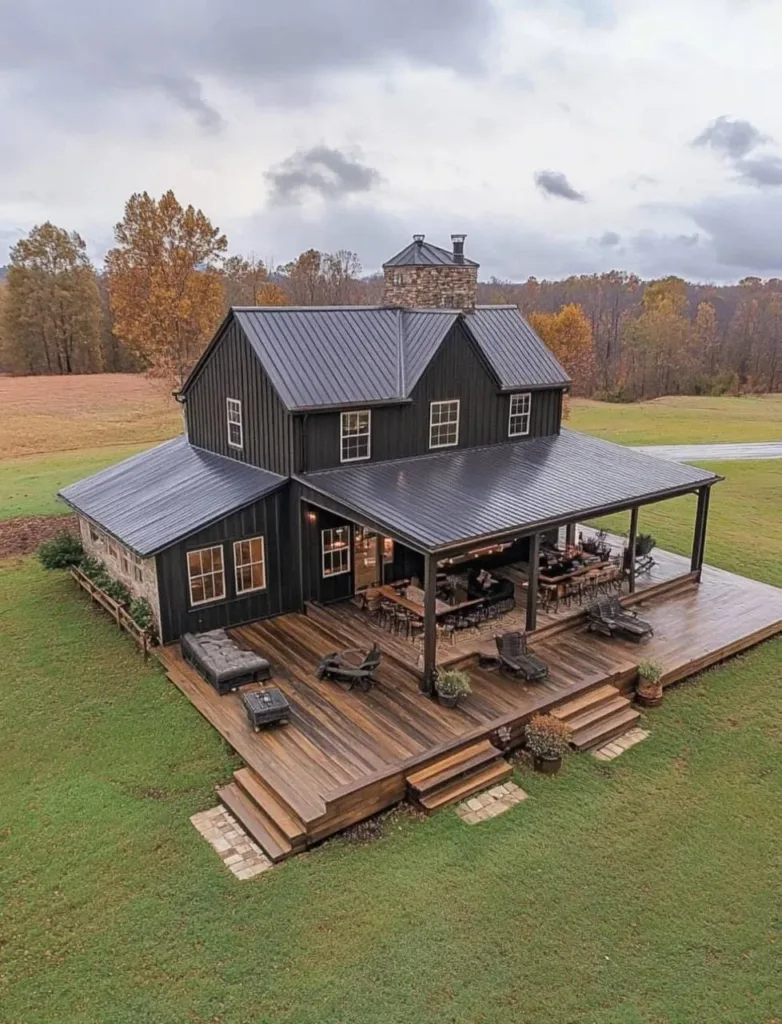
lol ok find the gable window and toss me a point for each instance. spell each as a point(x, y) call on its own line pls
point(354, 434)
point(518, 420)
point(444, 424)
point(235, 432)
point(205, 574)
point(249, 565)
point(336, 551)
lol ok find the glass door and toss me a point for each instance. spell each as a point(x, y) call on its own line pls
point(366, 564)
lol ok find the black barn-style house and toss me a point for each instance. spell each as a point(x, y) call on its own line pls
point(329, 449)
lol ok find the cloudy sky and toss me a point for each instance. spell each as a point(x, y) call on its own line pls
point(564, 136)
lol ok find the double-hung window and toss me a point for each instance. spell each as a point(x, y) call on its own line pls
point(355, 428)
point(205, 574)
point(249, 565)
point(235, 431)
point(124, 558)
point(518, 420)
point(444, 424)
point(138, 569)
point(336, 550)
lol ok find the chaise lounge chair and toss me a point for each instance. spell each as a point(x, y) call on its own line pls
point(608, 617)
point(517, 658)
point(353, 666)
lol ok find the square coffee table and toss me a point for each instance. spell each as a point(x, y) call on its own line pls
point(266, 707)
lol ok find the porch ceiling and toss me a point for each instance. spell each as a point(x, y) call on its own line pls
point(451, 499)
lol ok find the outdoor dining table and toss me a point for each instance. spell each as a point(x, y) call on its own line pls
point(415, 604)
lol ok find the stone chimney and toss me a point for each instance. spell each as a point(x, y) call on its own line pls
point(425, 276)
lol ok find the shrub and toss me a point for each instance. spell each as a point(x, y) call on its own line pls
point(546, 736)
point(141, 613)
point(117, 590)
point(453, 683)
point(650, 672)
point(62, 550)
point(95, 570)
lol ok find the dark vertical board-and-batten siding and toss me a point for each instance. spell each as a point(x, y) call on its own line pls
point(270, 518)
point(457, 371)
point(233, 371)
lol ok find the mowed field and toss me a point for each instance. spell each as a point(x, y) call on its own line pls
point(641, 891)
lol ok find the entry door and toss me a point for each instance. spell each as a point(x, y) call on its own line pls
point(366, 564)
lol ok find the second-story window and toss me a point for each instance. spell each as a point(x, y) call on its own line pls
point(235, 432)
point(444, 424)
point(518, 420)
point(355, 436)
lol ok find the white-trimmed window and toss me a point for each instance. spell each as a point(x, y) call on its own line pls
point(355, 429)
point(518, 419)
point(398, 278)
point(138, 568)
point(336, 550)
point(235, 431)
point(249, 565)
point(444, 424)
point(205, 574)
point(124, 561)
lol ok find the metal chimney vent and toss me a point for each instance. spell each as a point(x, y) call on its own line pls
point(457, 242)
point(419, 239)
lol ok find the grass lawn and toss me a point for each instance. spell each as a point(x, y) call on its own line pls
point(681, 420)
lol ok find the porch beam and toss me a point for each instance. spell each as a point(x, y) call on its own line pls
point(699, 538)
point(430, 624)
point(532, 582)
point(631, 540)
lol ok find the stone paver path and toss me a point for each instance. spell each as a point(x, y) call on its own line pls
point(235, 848)
point(714, 452)
point(620, 744)
point(494, 801)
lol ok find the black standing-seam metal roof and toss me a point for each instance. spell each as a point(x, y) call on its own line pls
point(443, 500)
point(424, 254)
point(154, 499)
point(337, 356)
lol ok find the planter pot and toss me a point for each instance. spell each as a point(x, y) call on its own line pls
point(547, 765)
point(649, 698)
point(448, 700)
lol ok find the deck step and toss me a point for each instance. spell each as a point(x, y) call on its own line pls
point(286, 821)
point(260, 828)
point(585, 702)
point(595, 714)
point(453, 766)
point(606, 729)
point(466, 786)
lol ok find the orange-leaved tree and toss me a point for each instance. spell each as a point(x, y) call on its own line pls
point(164, 282)
point(568, 333)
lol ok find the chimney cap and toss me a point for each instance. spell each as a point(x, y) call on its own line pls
point(419, 239)
point(458, 238)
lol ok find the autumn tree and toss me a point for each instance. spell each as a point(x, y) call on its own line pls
point(706, 338)
point(568, 334)
point(52, 308)
point(340, 271)
point(165, 288)
point(304, 278)
point(246, 283)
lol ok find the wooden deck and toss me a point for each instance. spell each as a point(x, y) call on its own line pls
point(347, 754)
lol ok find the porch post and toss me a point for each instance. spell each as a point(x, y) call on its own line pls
point(570, 535)
point(631, 539)
point(532, 582)
point(699, 540)
point(430, 624)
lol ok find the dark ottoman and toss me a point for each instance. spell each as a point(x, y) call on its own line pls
point(266, 707)
point(221, 661)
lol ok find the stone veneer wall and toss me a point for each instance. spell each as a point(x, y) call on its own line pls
point(426, 287)
point(146, 588)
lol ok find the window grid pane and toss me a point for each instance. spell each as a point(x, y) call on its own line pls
point(355, 431)
point(205, 569)
point(250, 565)
point(234, 411)
point(336, 551)
point(444, 424)
point(519, 419)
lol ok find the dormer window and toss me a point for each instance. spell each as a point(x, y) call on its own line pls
point(355, 435)
point(518, 420)
point(444, 424)
point(235, 431)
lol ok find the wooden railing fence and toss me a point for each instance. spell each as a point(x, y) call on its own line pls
point(115, 609)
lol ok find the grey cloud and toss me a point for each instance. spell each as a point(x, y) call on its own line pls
point(278, 53)
point(744, 232)
point(733, 139)
point(761, 170)
point(595, 13)
point(609, 239)
point(554, 183)
point(327, 172)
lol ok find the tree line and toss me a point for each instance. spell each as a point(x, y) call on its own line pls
point(168, 281)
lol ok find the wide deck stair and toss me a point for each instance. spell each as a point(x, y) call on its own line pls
point(274, 826)
point(597, 716)
point(457, 776)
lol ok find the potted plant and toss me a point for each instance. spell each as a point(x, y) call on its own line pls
point(649, 687)
point(644, 543)
point(451, 686)
point(548, 740)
